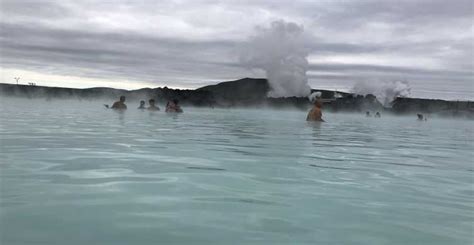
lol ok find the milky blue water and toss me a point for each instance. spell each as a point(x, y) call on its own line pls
point(76, 173)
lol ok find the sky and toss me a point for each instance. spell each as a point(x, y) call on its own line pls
point(188, 44)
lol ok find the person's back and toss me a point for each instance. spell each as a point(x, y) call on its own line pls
point(315, 114)
point(120, 105)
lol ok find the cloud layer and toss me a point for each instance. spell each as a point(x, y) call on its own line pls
point(188, 44)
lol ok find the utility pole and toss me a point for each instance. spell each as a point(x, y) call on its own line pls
point(17, 78)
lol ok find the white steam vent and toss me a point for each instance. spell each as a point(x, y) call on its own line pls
point(313, 96)
point(281, 51)
point(385, 92)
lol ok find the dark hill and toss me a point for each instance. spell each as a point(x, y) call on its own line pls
point(242, 92)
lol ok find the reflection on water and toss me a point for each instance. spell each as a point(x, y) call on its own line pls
point(79, 173)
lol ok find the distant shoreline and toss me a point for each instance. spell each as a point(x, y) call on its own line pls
point(247, 92)
point(145, 88)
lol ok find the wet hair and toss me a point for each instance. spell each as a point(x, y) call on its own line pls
point(318, 104)
point(122, 98)
point(151, 101)
point(142, 102)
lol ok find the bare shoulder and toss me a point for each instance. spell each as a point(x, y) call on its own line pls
point(118, 105)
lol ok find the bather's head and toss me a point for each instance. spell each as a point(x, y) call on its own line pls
point(151, 102)
point(142, 103)
point(318, 103)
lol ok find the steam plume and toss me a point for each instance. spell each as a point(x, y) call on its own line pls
point(313, 96)
point(281, 51)
point(385, 92)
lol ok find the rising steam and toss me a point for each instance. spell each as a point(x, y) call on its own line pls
point(281, 51)
point(315, 95)
point(385, 92)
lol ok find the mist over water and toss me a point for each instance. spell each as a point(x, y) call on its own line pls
point(280, 50)
point(74, 172)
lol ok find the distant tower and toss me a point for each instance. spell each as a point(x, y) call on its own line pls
point(17, 78)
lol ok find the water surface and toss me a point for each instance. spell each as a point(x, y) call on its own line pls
point(76, 173)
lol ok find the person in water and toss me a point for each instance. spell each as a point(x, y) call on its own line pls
point(315, 114)
point(377, 114)
point(152, 106)
point(142, 105)
point(420, 117)
point(120, 105)
point(367, 114)
point(173, 106)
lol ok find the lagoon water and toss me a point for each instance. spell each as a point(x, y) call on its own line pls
point(75, 173)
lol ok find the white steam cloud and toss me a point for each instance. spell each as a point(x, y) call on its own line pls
point(313, 96)
point(385, 92)
point(281, 51)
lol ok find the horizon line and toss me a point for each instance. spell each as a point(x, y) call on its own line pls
point(129, 90)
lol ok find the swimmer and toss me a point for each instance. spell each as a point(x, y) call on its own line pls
point(142, 105)
point(152, 106)
point(367, 114)
point(173, 106)
point(119, 105)
point(420, 117)
point(377, 114)
point(315, 114)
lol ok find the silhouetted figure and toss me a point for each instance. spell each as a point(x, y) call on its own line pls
point(420, 117)
point(119, 105)
point(367, 114)
point(173, 106)
point(142, 105)
point(152, 106)
point(315, 114)
point(377, 114)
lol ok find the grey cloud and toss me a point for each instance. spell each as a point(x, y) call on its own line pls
point(387, 70)
point(120, 55)
point(37, 8)
point(439, 30)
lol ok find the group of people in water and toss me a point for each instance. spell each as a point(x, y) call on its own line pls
point(377, 114)
point(316, 115)
point(422, 117)
point(171, 106)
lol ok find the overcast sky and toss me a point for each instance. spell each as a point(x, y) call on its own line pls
point(188, 44)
